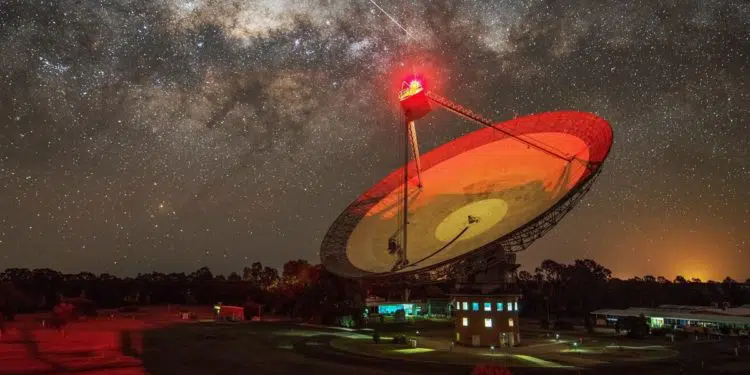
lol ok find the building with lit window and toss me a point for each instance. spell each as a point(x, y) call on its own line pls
point(424, 308)
point(686, 318)
point(486, 320)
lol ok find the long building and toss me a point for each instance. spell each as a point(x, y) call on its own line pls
point(685, 317)
point(426, 308)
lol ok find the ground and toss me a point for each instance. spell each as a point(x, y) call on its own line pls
point(157, 343)
point(539, 349)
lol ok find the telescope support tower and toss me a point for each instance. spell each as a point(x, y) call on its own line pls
point(415, 151)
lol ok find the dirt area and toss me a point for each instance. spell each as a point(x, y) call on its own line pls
point(157, 342)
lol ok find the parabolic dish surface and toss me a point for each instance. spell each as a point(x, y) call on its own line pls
point(477, 190)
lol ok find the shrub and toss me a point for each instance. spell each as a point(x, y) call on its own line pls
point(544, 324)
point(346, 321)
point(659, 332)
point(636, 326)
point(681, 335)
point(399, 315)
point(399, 340)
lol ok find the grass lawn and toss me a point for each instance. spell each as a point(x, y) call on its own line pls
point(427, 325)
point(612, 353)
point(538, 351)
point(405, 352)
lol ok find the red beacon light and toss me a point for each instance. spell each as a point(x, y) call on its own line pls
point(414, 101)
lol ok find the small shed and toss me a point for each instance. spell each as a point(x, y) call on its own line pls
point(234, 313)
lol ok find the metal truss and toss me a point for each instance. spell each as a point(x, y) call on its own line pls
point(499, 253)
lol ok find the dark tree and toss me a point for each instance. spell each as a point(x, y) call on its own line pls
point(268, 278)
point(296, 271)
point(253, 274)
point(10, 300)
point(636, 326)
point(202, 274)
point(525, 277)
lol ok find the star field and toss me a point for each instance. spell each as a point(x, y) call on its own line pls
point(171, 134)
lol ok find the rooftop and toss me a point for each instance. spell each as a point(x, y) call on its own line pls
point(493, 295)
point(729, 315)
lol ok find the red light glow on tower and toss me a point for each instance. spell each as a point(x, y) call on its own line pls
point(410, 87)
point(413, 98)
point(421, 67)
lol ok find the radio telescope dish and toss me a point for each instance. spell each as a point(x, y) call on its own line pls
point(483, 191)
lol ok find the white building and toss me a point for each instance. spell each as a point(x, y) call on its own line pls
point(684, 317)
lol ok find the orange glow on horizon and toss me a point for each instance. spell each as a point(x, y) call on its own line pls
point(683, 252)
point(694, 267)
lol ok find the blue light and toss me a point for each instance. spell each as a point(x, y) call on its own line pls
point(391, 308)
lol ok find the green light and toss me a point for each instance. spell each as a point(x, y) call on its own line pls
point(413, 350)
point(534, 361)
point(576, 350)
point(539, 362)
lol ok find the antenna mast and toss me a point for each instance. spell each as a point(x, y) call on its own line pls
point(403, 260)
point(415, 105)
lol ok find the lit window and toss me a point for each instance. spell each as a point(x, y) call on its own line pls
point(515, 306)
point(499, 306)
point(488, 322)
point(510, 306)
point(510, 322)
point(465, 321)
point(475, 306)
point(458, 305)
point(487, 306)
point(465, 306)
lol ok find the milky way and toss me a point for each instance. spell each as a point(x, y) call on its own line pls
point(168, 135)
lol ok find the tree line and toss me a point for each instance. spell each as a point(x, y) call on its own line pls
point(302, 290)
point(559, 291)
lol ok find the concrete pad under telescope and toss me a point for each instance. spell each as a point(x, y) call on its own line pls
point(476, 190)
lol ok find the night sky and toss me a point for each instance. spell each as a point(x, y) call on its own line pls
point(171, 134)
